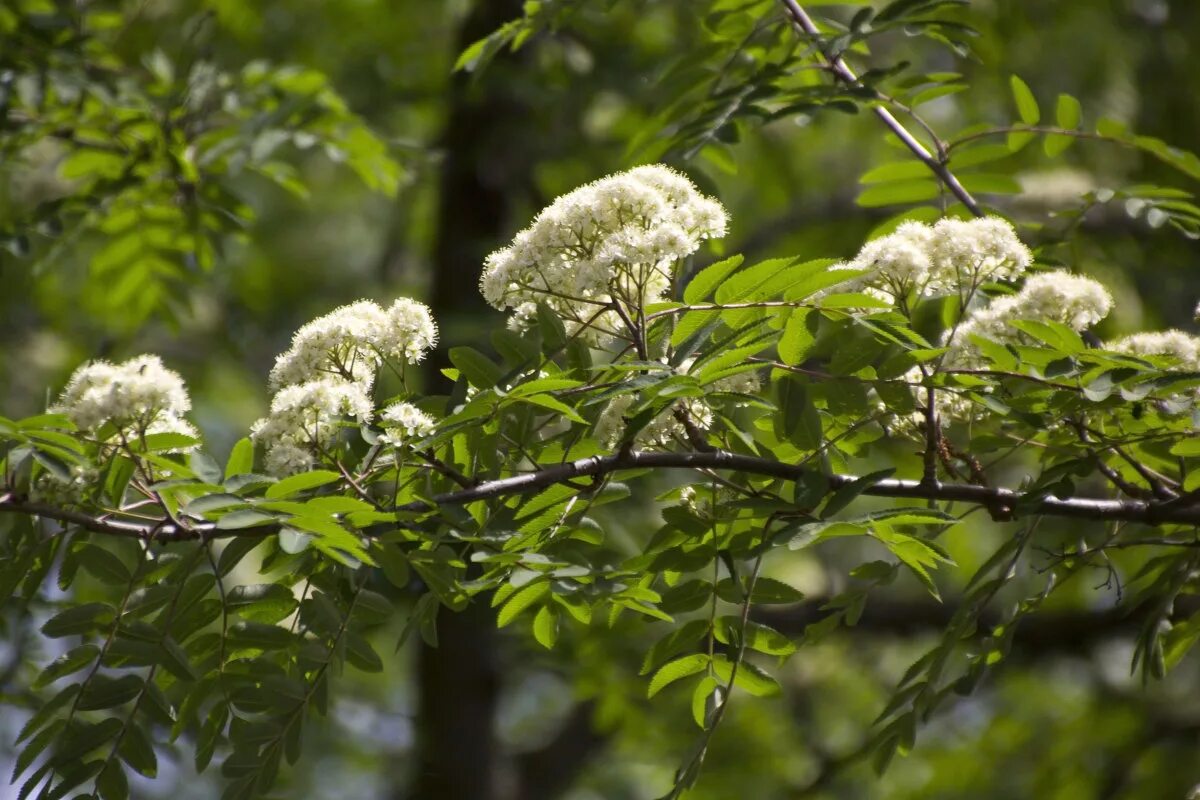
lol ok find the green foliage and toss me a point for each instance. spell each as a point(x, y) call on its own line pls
point(213, 610)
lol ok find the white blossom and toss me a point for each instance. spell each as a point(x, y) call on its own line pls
point(304, 418)
point(1182, 347)
point(899, 261)
point(1072, 300)
point(135, 396)
point(943, 259)
point(965, 253)
point(620, 237)
point(350, 341)
point(402, 422)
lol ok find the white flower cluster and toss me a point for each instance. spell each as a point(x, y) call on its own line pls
point(139, 397)
point(350, 342)
point(946, 258)
point(328, 372)
point(402, 422)
point(1073, 300)
point(617, 238)
point(1181, 347)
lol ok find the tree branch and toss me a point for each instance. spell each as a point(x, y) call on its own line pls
point(804, 24)
point(998, 499)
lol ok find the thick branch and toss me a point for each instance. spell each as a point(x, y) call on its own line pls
point(845, 74)
point(1007, 503)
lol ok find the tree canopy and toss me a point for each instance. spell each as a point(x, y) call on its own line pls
point(599, 399)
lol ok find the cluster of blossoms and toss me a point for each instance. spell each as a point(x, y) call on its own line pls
point(1059, 296)
point(328, 373)
point(1182, 348)
point(403, 422)
point(138, 397)
point(352, 341)
point(950, 257)
point(123, 403)
point(666, 425)
point(615, 240)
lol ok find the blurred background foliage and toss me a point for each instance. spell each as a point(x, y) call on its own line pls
point(202, 176)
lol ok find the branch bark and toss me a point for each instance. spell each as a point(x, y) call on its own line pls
point(804, 24)
point(1002, 502)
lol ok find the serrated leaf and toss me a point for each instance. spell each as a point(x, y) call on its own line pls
point(80, 619)
point(103, 565)
point(521, 601)
point(706, 281)
point(104, 692)
point(677, 670)
point(71, 661)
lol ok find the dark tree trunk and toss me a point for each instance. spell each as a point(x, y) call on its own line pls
point(458, 681)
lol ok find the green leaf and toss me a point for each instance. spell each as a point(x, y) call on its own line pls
point(80, 619)
point(476, 367)
point(241, 458)
point(546, 401)
point(898, 192)
point(104, 692)
point(847, 493)
point(545, 627)
point(71, 661)
point(521, 601)
point(138, 753)
point(798, 419)
point(758, 637)
point(706, 281)
point(103, 565)
point(704, 699)
point(1067, 112)
point(750, 677)
point(797, 338)
point(1027, 105)
point(37, 745)
point(1187, 448)
point(296, 484)
point(677, 670)
point(360, 654)
point(244, 518)
point(111, 783)
point(259, 635)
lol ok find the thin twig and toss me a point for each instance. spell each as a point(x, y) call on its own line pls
point(844, 73)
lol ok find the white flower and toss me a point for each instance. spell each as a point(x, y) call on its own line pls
point(284, 458)
point(133, 395)
point(1072, 300)
point(899, 261)
point(350, 341)
point(1175, 344)
point(619, 237)
point(409, 332)
point(965, 253)
point(304, 417)
point(404, 421)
